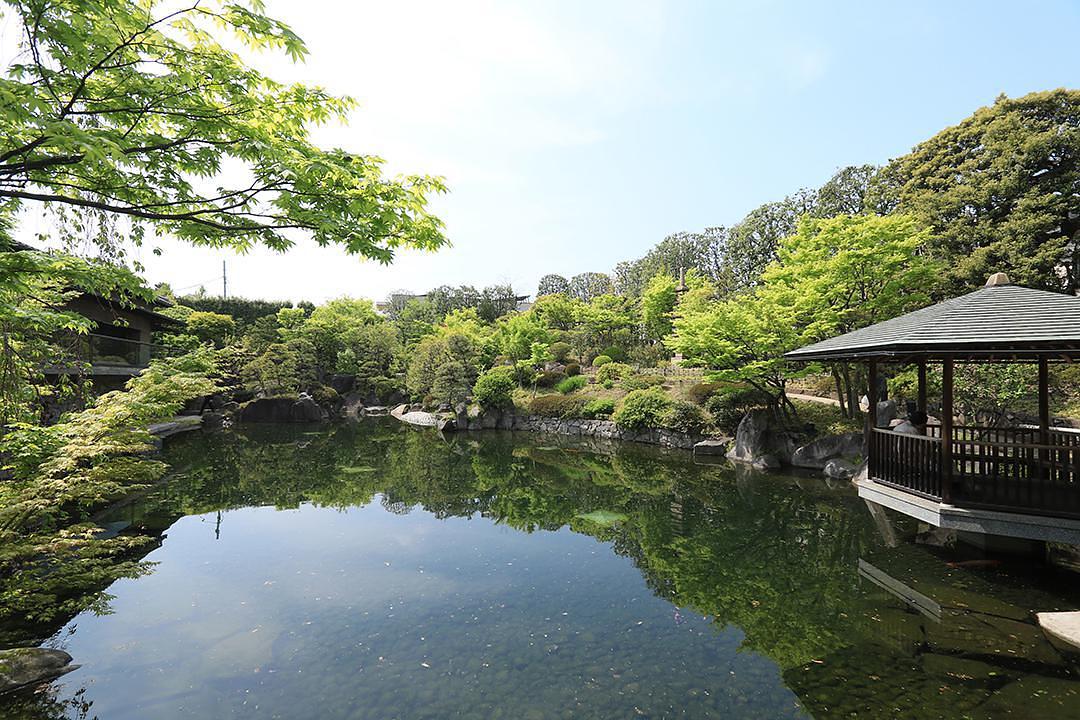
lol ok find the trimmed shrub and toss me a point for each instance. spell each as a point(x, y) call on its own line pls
point(493, 387)
point(599, 408)
point(600, 360)
point(548, 379)
point(700, 392)
point(612, 373)
point(617, 354)
point(559, 351)
point(642, 382)
point(685, 416)
point(643, 409)
point(325, 395)
point(557, 406)
point(572, 384)
point(572, 369)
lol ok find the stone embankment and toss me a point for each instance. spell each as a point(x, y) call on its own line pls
point(473, 418)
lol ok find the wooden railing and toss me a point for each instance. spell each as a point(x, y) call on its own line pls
point(909, 462)
point(1010, 469)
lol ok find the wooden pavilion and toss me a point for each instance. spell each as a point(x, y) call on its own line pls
point(1016, 481)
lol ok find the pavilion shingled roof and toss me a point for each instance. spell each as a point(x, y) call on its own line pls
point(996, 322)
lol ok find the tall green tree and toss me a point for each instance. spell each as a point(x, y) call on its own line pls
point(130, 109)
point(1000, 191)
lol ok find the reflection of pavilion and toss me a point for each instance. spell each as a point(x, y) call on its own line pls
point(1021, 481)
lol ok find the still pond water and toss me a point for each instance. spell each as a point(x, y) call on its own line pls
point(378, 571)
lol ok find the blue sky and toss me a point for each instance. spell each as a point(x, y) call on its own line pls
point(574, 135)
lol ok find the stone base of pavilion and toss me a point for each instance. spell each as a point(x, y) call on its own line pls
point(971, 521)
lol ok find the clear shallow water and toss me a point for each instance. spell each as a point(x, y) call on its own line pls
point(376, 571)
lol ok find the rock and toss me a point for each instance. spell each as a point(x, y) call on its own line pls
point(376, 411)
point(343, 384)
point(489, 419)
point(353, 405)
point(752, 444)
point(712, 446)
point(420, 418)
point(816, 455)
point(506, 421)
point(282, 410)
point(886, 412)
point(445, 423)
point(838, 469)
point(32, 666)
point(213, 421)
point(1062, 626)
point(444, 408)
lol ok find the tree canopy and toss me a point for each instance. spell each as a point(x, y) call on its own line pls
point(145, 111)
point(1000, 192)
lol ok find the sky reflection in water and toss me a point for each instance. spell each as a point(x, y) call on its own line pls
point(381, 572)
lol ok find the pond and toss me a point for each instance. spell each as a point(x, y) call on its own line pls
point(380, 571)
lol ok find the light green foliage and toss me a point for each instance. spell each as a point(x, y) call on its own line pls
point(211, 327)
point(643, 409)
point(289, 321)
point(36, 330)
point(131, 109)
point(494, 387)
point(847, 272)
point(572, 384)
point(657, 304)
point(601, 360)
point(612, 372)
point(516, 334)
point(559, 311)
point(832, 276)
point(599, 408)
point(687, 417)
point(97, 454)
point(636, 381)
point(998, 192)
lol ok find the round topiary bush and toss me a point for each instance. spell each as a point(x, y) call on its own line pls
point(494, 387)
point(549, 378)
point(643, 409)
point(572, 369)
point(612, 373)
point(686, 417)
point(599, 408)
point(601, 360)
point(702, 391)
point(557, 406)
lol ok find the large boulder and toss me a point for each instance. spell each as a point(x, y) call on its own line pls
point(817, 454)
point(282, 410)
point(762, 443)
point(712, 446)
point(23, 667)
point(753, 445)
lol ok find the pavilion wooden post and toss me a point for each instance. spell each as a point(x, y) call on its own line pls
point(946, 429)
point(1044, 415)
point(871, 413)
point(922, 385)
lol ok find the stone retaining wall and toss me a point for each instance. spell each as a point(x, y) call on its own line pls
point(605, 429)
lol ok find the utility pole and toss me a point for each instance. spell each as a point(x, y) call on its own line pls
point(224, 282)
